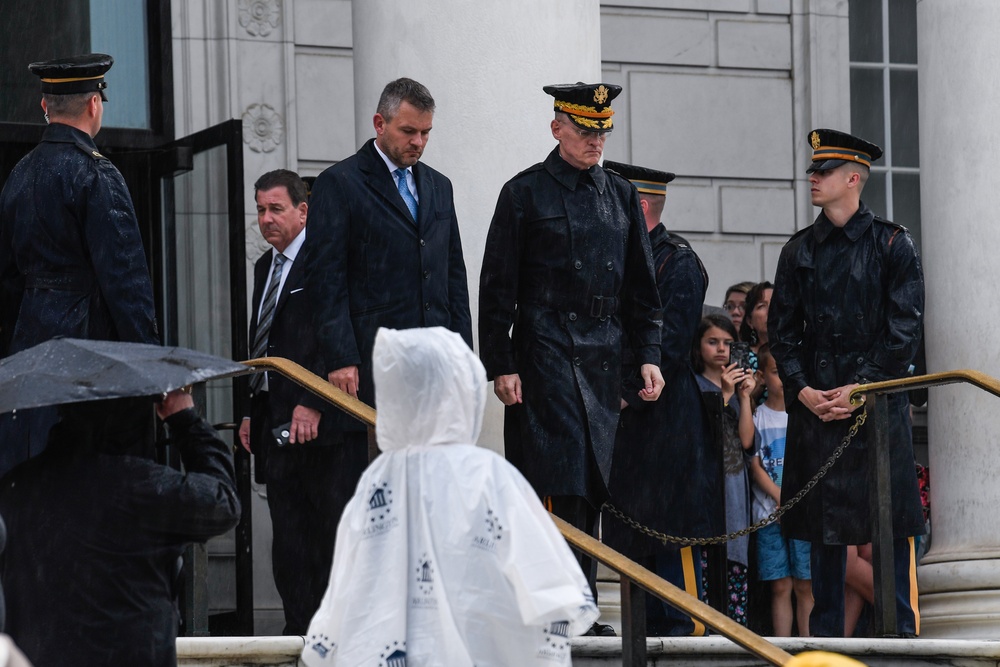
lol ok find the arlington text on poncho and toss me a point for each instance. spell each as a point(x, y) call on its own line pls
point(445, 556)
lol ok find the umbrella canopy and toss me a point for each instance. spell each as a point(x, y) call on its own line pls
point(69, 370)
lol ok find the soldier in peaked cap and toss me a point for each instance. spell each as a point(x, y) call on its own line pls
point(847, 309)
point(71, 257)
point(657, 440)
point(568, 264)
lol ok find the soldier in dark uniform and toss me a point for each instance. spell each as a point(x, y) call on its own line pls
point(847, 309)
point(664, 473)
point(568, 264)
point(71, 258)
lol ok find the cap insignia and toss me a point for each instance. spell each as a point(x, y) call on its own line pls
point(601, 94)
point(814, 140)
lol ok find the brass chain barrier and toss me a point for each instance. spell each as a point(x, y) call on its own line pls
point(774, 516)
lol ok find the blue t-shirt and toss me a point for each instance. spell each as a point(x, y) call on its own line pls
point(771, 428)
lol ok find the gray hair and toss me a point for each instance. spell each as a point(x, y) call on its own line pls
point(404, 90)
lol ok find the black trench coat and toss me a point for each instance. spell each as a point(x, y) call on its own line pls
point(847, 307)
point(666, 471)
point(568, 263)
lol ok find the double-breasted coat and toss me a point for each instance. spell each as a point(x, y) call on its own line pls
point(847, 307)
point(369, 265)
point(568, 264)
point(70, 249)
point(666, 469)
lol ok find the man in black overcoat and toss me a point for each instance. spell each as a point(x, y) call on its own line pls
point(568, 264)
point(384, 248)
point(847, 309)
point(311, 475)
point(664, 474)
point(71, 257)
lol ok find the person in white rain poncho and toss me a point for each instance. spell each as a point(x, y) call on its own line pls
point(445, 555)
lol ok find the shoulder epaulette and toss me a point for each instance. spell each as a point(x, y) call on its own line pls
point(891, 224)
point(89, 151)
point(535, 167)
point(798, 234)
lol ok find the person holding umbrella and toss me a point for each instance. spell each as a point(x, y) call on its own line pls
point(96, 527)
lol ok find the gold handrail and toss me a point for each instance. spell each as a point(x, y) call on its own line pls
point(981, 380)
point(680, 599)
point(317, 385)
point(592, 547)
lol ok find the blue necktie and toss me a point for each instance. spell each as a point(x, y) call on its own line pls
point(259, 348)
point(404, 192)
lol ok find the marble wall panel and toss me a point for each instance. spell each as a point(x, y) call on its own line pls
point(646, 38)
point(324, 88)
point(719, 125)
point(755, 44)
point(758, 210)
point(323, 23)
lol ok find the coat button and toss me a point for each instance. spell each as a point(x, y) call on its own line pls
point(611, 266)
point(422, 243)
point(577, 361)
point(572, 317)
point(427, 306)
point(822, 363)
point(605, 365)
point(427, 274)
point(859, 315)
point(861, 360)
point(577, 265)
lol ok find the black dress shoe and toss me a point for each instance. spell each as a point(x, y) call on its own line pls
point(600, 630)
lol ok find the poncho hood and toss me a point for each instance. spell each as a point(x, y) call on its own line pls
point(430, 389)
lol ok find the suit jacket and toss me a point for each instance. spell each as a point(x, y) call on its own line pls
point(370, 266)
point(292, 336)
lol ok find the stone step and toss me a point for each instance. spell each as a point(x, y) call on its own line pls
point(662, 652)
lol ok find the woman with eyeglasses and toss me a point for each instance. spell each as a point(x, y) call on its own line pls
point(735, 301)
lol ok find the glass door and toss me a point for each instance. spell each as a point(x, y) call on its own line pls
point(201, 273)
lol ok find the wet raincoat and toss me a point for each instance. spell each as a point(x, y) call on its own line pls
point(71, 257)
point(445, 556)
point(666, 471)
point(568, 263)
point(847, 307)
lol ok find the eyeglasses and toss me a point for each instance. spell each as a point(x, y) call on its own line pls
point(732, 306)
point(587, 134)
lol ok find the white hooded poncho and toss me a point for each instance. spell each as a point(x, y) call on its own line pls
point(445, 556)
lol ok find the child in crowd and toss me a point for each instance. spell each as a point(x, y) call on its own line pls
point(783, 562)
point(716, 375)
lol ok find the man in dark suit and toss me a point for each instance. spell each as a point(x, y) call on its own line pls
point(295, 434)
point(384, 248)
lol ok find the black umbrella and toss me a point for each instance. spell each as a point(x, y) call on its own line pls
point(69, 370)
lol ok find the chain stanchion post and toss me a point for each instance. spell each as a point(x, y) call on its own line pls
point(880, 502)
point(633, 624)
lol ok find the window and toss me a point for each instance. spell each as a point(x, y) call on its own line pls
point(84, 26)
point(883, 48)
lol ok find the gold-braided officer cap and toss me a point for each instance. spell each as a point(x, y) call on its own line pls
point(588, 105)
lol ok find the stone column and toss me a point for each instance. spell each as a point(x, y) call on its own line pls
point(485, 64)
point(959, 136)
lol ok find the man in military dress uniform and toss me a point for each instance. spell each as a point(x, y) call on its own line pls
point(846, 310)
point(568, 264)
point(664, 474)
point(71, 258)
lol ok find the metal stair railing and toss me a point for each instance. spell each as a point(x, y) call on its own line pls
point(635, 579)
point(879, 485)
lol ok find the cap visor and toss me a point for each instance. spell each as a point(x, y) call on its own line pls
point(824, 165)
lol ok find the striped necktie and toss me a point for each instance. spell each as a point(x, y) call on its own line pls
point(259, 348)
